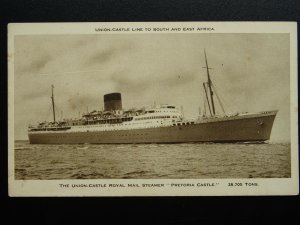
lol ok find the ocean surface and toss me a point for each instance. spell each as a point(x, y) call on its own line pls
point(151, 161)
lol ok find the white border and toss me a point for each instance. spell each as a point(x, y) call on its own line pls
point(266, 186)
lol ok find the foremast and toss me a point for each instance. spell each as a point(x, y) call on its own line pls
point(209, 84)
point(210, 91)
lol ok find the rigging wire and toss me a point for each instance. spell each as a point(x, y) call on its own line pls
point(220, 102)
point(57, 111)
point(204, 86)
point(49, 111)
point(205, 106)
point(227, 100)
point(204, 103)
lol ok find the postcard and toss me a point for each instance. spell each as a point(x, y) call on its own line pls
point(153, 109)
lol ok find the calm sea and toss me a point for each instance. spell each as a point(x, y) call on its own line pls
point(136, 161)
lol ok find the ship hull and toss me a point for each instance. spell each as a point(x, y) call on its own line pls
point(241, 129)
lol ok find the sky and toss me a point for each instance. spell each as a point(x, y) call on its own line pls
point(250, 73)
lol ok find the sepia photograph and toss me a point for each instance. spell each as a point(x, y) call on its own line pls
point(139, 104)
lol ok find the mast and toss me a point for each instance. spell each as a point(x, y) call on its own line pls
point(53, 107)
point(209, 86)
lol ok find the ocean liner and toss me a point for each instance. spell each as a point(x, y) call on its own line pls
point(159, 124)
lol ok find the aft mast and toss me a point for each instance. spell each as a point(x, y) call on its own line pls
point(53, 106)
point(209, 83)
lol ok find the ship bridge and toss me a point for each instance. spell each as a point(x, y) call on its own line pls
point(162, 112)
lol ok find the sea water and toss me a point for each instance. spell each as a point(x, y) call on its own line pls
point(151, 161)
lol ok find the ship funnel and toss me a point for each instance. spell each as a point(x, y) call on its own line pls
point(112, 101)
